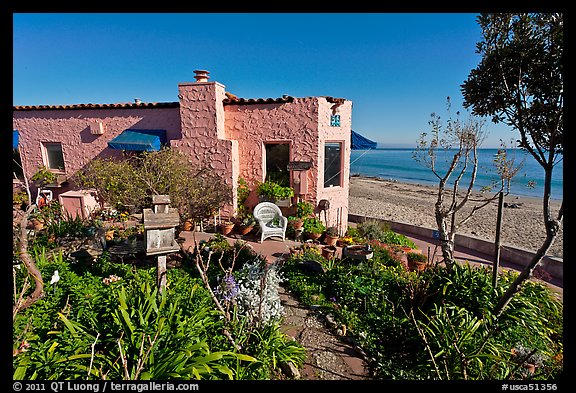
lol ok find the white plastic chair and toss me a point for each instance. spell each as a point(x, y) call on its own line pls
point(270, 220)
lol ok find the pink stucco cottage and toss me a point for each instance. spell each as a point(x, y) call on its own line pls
point(236, 137)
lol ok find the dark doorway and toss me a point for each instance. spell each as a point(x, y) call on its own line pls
point(277, 159)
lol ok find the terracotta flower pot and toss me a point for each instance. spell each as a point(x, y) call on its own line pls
point(297, 224)
point(226, 228)
point(330, 240)
point(417, 266)
point(187, 226)
point(296, 251)
point(244, 230)
point(312, 236)
point(328, 252)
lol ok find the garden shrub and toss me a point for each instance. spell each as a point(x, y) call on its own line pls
point(399, 318)
point(372, 229)
point(113, 303)
point(257, 297)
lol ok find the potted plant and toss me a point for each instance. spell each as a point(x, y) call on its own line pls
point(417, 261)
point(226, 227)
point(345, 241)
point(329, 251)
point(295, 222)
point(331, 236)
point(304, 209)
point(273, 192)
point(313, 228)
point(246, 224)
point(296, 251)
point(187, 223)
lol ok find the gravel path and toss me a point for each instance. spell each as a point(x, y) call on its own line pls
point(329, 357)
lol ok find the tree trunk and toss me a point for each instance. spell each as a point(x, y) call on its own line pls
point(29, 264)
point(524, 275)
point(446, 241)
point(552, 227)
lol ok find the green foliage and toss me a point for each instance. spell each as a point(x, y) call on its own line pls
point(396, 239)
point(459, 346)
point(372, 229)
point(274, 191)
point(355, 234)
point(378, 230)
point(304, 209)
point(195, 192)
point(248, 220)
point(332, 231)
point(416, 257)
point(313, 225)
point(20, 197)
point(110, 321)
point(67, 226)
point(436, 325)
point(524, 51)
point(242, 193)
point(44, 176)
point(272, 347)
point(114, 180)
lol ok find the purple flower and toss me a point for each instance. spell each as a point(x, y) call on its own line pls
point(227, 288)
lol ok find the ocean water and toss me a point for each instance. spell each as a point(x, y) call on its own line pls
point(398, 164)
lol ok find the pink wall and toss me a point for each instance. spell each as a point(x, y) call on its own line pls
point(254, 125)
point(72, 129)
point(229, 139)
point(202, 124)
point(305, 124)
point(337, 215)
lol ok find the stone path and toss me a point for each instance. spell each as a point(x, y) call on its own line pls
point(329, 357)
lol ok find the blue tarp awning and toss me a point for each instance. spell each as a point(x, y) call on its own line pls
point(139, 140)
point(15, 139)
point(361, 143)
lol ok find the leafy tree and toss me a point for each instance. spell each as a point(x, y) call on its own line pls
point(195, 192)
point(520, 82)
point(457, 143)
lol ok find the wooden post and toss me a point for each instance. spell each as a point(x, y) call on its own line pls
point(497, 240)
point(161, 273)
point(160, 228)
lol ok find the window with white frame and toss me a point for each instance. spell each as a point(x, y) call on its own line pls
point(333, 164)
point(53, 157)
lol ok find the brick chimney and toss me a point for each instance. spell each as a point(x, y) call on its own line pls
point(201, 76)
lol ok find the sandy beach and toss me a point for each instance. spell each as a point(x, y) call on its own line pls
point(522, 224)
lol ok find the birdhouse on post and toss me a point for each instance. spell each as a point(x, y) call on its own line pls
point(160, 224)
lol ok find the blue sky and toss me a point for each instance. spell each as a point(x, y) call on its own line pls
point(396, 68)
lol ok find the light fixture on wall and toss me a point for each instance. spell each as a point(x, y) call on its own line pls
point(97, 128)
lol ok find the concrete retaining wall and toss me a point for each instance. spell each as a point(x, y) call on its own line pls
point(519, 256)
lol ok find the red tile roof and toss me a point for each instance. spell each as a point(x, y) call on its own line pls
point(230, 99)
point(233, 100)
point(127, 105)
